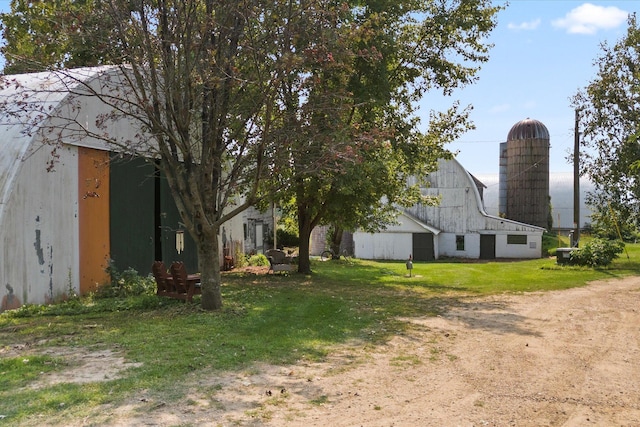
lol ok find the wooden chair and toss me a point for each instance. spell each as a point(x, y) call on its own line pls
point(164, 281)
point(185, 285)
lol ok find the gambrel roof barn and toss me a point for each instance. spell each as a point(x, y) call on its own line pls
point(457, 227)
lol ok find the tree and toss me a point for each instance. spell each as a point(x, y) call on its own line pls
point(196, 77)
point(45, 34)
point(214, 88)
point(610, 119)
point(315, 94)
point(386, 56)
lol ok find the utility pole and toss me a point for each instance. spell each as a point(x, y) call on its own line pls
point(576, 183)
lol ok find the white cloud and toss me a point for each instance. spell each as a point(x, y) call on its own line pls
point(531, 25)
point(589, 18)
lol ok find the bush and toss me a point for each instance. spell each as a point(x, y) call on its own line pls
point(258, 260)
point(126, 283)
point(597, 253)
point(240, 260)
point(287, 238)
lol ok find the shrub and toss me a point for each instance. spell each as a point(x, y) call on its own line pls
point(126, 283)
point(287, 238)
point(240, 260)
point(258, 260)
point(597, 253)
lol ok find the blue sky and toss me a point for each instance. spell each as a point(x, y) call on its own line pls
point(544, 52)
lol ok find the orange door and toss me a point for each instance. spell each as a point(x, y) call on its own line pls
point(93, 211)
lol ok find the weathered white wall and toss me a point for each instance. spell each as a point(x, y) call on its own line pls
point(533, 248)
point(387, 246)
point(447, 244)
point(394, 243)
point(39, 255)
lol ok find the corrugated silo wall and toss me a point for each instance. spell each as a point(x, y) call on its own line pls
point(528, 181)
point(502, 179)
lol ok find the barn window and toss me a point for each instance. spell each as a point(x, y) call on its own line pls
point(516, 239)
point(459, 243)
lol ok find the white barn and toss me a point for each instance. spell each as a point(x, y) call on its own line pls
point(61, 226)
point(458, 227)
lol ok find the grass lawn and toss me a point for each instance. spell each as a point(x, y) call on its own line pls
point(275, 319)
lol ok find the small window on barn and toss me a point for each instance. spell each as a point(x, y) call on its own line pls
point(516, 239)
point(459, 243)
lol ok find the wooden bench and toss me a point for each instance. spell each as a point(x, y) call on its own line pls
point(278, 260)
point(178, 284)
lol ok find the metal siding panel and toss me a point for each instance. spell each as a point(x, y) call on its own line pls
point(384, 246)
point(170, 222)
point(132, 214)
point(533, 248)
point(39, 230)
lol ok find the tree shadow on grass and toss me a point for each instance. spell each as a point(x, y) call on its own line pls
point(489, 316)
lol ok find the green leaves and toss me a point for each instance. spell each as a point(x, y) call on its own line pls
point(349, 123)
point(45, 34)
point(610, 124)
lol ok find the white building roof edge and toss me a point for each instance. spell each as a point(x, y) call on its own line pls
point(480, 205)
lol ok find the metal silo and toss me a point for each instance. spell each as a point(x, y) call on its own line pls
point(527, 175)
point(502, 180)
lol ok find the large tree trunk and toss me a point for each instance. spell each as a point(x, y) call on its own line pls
point(209, 266)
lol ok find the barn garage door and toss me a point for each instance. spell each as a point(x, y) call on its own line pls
point(144, 218)
point(131, 214)
point(423, 247)
point(487, 246)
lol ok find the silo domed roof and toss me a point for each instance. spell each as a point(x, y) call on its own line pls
point(528, 129)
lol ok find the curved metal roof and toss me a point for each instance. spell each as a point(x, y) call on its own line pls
point(27, 103)
point(528, 129)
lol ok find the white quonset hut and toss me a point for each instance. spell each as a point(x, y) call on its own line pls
point(60, 225)
point(457, 227)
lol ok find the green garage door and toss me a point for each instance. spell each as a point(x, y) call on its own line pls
point(487, 246)
point(131, 214)
point(423, 247)
point(144, 219)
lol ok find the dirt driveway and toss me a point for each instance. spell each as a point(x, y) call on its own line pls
point(566, 358)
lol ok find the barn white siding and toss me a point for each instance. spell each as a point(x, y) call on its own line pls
point(396, 242)
point(459, 214)
point(448, 247)
point(531, 249)
point(387, 246)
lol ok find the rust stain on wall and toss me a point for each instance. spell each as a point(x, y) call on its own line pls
point(10, 301)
